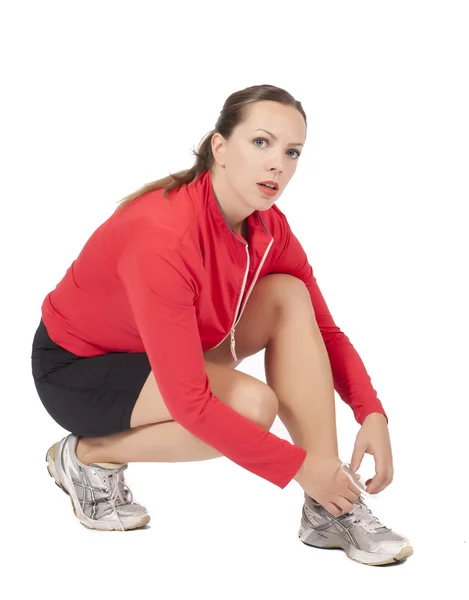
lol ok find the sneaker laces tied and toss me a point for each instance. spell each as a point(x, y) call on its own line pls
point(120, 493)
point(364, 515)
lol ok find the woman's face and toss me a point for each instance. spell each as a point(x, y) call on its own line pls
point(252, 155)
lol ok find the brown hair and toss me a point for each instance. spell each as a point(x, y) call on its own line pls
point(232, 114)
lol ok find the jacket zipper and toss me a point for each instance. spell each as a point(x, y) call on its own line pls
point(238, 316)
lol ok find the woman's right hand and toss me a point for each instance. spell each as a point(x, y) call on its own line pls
point(323, 479)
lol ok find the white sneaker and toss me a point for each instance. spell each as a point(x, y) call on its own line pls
point(359, 533)
point(99, 495)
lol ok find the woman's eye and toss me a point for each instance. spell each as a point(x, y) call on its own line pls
point(265, 140)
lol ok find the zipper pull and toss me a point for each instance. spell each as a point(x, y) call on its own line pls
point(232, 344)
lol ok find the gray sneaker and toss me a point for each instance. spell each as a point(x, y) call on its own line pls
point(359, 533)
point(99, 495)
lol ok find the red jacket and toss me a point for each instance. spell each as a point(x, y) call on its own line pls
point(171, 278)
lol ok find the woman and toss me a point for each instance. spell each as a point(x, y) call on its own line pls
point(137, 348)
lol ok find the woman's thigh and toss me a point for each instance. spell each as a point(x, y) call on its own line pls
point(101, 395)
point(247, 395)
point(260, 318)
point(253, 332)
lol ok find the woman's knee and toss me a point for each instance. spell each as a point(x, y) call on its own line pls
point(288, 294)
point(247, 395)
point(284, 286)
point(267, 406)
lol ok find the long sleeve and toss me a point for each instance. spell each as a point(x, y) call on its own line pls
point(351, 380)
point(161, 292)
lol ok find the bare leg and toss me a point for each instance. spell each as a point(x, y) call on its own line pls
point(170, 442)
point(297, 368)
point(157, 442)
point(278, 317)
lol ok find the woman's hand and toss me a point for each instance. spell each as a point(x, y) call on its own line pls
point(323, 479)
point(373, 438)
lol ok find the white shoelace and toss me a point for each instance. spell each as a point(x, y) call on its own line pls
point(362, 490)
point(362, 512)
point(120, 491)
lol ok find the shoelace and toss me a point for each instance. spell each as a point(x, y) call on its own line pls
point(364, 515)
point(362, 491)
point(360, 509)
point(121, 494)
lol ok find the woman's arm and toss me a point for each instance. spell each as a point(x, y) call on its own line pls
point(161, 297)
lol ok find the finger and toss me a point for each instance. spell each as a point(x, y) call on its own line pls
point(377, 488)
point(381, 469)
point(352, 495)
point(350, 492)
point(356, 479)
point(340, 505)
point(345, 505)
point(359, 483)
point(376, 483)
point(353, 475)
point(333, 509)
point(357, 456)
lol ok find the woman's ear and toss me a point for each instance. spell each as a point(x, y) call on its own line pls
point(218, 148)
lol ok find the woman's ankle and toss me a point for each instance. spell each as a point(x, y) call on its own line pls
point(82, 452)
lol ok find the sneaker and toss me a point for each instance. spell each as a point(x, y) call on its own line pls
point(99, 495)
point(359, 533)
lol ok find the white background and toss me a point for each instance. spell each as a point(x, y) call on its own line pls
point(100, 98)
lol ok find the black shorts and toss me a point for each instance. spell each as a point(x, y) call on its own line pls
point(88, 396)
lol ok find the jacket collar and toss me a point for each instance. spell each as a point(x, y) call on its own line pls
point(257, 229)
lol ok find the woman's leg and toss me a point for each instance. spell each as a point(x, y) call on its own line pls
point(278, 317)
point(155, 437)
point(298, 370)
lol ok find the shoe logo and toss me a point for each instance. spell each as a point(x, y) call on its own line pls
point(81, 481)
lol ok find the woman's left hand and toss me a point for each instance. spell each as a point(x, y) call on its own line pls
point(373, 438)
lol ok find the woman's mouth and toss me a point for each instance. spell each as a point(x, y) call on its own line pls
point(267, 190)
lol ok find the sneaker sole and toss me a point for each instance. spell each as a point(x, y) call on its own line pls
point(104, 526)
point(327, 541)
